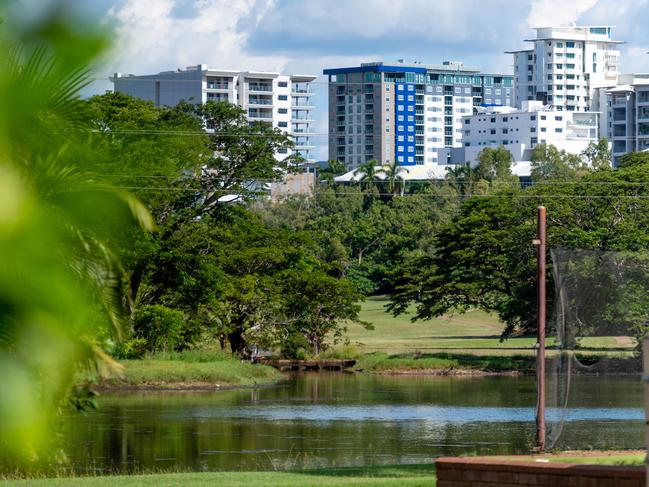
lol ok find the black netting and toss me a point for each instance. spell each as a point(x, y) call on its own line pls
point(601, 309)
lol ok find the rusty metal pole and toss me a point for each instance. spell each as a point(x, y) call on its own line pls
point(541, 317)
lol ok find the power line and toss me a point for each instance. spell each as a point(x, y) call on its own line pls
point(442, 196)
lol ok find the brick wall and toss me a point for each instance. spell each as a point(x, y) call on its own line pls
point(485, 472)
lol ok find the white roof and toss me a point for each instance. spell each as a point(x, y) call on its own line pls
point(423, 172)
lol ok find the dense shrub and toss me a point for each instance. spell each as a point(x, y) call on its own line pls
point(161, 327)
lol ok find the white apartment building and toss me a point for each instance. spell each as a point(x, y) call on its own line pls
point(564, 67)
point(521, 130)
point(628, 115)
point(284, 101)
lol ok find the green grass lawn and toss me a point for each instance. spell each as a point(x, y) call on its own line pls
point(389, 476)
point(392, 476)
point(473, 333)
point(191, 369)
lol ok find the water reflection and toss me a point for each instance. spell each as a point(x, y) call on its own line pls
point(343, 420)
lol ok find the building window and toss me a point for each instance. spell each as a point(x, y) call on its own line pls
point(558, 130)
point(559, 66)
point(543, 117)
point(570, 66)
point(399, 97)
point(550, 66)
point(559, 44)
point(570, 44)
point(282, 97)
point(282, 84)
point(558, 118)
point(282, 124)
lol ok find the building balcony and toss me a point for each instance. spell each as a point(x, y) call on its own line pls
point(303, 120)
point(259, 102)
point(218, 86)
point(302, 132)
point(262, 116)
point(260, 88)
point(302, 106)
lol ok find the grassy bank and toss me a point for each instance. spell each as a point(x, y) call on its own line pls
point(459, 344)
point(190, 370)
point(391, 476)
point(444, 363)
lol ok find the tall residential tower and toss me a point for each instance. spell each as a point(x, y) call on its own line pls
point(628, 115)
point(405, 112)
point(565, 65)
point(281, 100)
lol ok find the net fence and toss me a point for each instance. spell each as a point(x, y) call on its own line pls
point(593, 365)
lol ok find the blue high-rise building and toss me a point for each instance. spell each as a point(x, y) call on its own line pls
point(405, 112)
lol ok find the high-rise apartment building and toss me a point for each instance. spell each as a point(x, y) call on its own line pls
point(284, 101)
point(565, 65)
point(405, 112)
point(628, 115)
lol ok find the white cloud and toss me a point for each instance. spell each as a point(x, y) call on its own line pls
point(151, 38)
point(305, 36)
point(546, 13)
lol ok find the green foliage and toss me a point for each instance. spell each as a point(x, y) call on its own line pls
point(495, 164)
point(598, 155)
point(132, 348)
point(60, 279)
point(161, 327)
point(483, 258)
point(633, 159)
point(552, 164)
point(295, 346)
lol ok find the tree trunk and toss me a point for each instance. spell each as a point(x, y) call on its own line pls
point(237, 342)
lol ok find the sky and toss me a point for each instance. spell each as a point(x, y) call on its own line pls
point(305, 36)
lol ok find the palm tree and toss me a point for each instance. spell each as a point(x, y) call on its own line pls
point(462, 179)
point(394, 177)
point(60, 282)
point(369, 173)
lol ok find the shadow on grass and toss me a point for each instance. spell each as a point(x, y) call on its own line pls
point(490, 363)
point(386, 471)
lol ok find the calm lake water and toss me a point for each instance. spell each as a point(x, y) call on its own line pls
point(318, 420)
